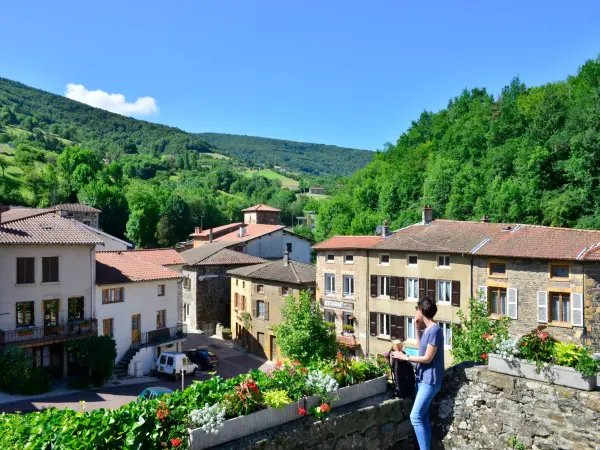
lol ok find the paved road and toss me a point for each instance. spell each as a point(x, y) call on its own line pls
point(232, 363)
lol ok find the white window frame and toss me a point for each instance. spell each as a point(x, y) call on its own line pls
point(447, 290)
point(348, 293)
point(415, 282)
point(258, 312)
point(410, 328)
point(381, 263)
point(383, 286)
point(446, 329)
point(331, 290)
point(445, 258)
point(328, 260)
point(383, 324)
point(351, 261)
point(408, 263)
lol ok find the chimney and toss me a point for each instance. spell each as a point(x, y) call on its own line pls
point(385, 231)
point(242, 231)
point(427, 215)
point(3, 209)
point(286, 258)
point(210, 236)
point(197, 230)
point(486, 219)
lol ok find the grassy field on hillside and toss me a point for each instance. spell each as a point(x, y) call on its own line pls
point(286, 183)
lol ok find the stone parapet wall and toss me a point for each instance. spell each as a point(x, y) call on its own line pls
point(479, 409)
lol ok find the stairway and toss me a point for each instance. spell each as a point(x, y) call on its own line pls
point(122, 367)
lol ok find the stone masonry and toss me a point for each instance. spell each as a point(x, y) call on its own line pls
point(591, 301)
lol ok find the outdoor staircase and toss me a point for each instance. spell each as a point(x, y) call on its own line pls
point(121, 370)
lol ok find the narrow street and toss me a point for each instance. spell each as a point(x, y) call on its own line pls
point(232, 363)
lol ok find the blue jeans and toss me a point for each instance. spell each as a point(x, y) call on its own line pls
point(419, 416)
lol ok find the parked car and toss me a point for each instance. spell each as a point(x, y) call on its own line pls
point(206, 360)
point(152, 392)
point(172, 363)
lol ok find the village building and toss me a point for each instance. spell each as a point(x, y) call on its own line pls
point(80, 212)
point(47, 285)
point(257, 295)
point(317, 190)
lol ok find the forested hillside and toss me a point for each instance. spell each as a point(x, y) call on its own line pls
point(304, 157)
point(529, 155)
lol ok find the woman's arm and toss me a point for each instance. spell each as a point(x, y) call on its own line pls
point(429, 355)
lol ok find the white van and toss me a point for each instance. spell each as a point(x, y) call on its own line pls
point(172, 363)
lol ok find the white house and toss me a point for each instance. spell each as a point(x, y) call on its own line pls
point(47, 290)
point(137, 303)
point(109, 242)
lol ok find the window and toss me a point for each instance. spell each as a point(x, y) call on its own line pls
point(410, 329)
point(444, 291)
point(348, 319)
point(412, 289)
point(559, 271)
point(329, 284)
point(237, 282)
point(260, 309)
point(384, 286)
point(114, 295)
point(161, 290)
point(329, 316)
point(161, 318)
point(243, 303)
point(25, 271)
point(238, 248)
point(285, 290)
point(330, 258)
point(187, 284)
point(288, 247)
point(560, 307)
point(260, 288)
point(443, 260)
point(348, 259)
point(50, 269)
point(107, 327)
point(497, 269)
point(243, 285)
point(413, 260)
point(348, 286)
point(384, 325)
point(447, 331)
point(497, 299)
point(25, 314)
point(76, 311)
point(86, 222)
point(384, 260)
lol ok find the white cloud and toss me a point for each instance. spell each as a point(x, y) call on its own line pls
point(143, 106)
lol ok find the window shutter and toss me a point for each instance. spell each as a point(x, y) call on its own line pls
point(235, 301)
point(431, 289)
point(243, 302)
point(254, 308)
point(455, 299)
point(482, 293)
point(577, 314)
point(422, 288)
point(373, 285)
point(393, 327)
point(122, 294)
point(373, 324)
point(104, 296)
point(512, 303)
point(542, 306)
point(266, 310)
point(400, 287)
point(401, 330)
point(281, 289)
point(393, 286)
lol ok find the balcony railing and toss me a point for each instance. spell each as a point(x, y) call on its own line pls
point(161, 336)
point(54, 333)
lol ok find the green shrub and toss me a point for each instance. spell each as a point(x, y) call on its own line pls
point(96, 355)
point(38, 381)
point(537, 346)
point(14, 367)
point(276, 399)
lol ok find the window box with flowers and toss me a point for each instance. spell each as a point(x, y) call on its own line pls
point(348, 330)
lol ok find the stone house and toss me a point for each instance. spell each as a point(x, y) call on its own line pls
point(259, 291)
point(317, 190)
point(80, 212)
point(261, 214)
point(206, 286)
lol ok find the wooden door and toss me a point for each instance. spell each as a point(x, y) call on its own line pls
point(273, 348)
point(135, 328)
point(50, 313)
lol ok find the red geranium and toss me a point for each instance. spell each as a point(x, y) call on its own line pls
point(176, 442)
point(325, 407)
point(484, 355)
point(302, 411)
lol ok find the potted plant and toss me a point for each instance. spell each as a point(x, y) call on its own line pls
point(348, 330)
point(226, 332)
point(25, 332)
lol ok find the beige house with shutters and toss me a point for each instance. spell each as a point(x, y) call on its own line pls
point(257, 295)
point(538, 276)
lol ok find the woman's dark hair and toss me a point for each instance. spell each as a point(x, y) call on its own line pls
point(428, 307)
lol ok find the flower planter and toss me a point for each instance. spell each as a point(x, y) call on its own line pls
point(269, 418)
point(23, 333)
point(562, 376)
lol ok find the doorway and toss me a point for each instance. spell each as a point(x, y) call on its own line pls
point(135, 328)
point(273, 348)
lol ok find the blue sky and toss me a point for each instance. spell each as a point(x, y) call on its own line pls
point(350, 73)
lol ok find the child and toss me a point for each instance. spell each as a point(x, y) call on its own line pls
point(403, 374)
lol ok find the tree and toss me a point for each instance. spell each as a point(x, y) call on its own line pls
point(303, 333)
point(3, 164)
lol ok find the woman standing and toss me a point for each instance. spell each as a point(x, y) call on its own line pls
point(430, 369)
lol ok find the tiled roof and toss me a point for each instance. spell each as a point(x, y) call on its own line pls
point(261, 207)
point(128, 267)
point(42, 227)
point(253, 231)
point(347, 341)
point(217, 230)
point(217, 253)
point(592, 254)
point(343, 242)
point(295, 272)
point(160, 256)
point(75, 207)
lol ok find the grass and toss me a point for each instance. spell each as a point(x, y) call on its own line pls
point(318, 196)
point(216, 155)
point(286, 183)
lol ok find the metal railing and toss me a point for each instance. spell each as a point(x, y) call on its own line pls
point(62, 332)
point(161, 336)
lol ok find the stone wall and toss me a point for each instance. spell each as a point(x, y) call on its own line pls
point(591, 313)
point(479, 409)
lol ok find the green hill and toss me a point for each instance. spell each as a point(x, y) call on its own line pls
point(317, 159)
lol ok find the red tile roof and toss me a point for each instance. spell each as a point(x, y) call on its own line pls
point(128, 267)
point(160, 256)
point(253, 231)
point(217, 230)
point(345, 242)
point(261, 207)
point(347, 341)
